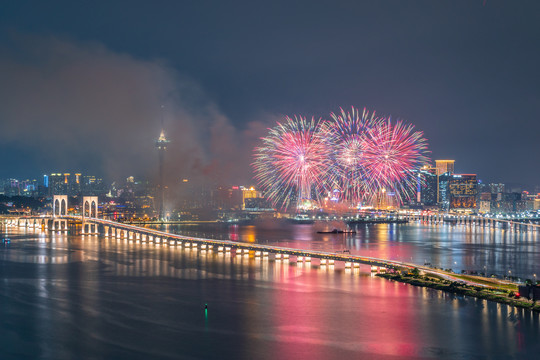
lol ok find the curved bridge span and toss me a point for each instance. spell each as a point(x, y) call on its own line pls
point(108, 228)
point(113, 229)
point(132, 232)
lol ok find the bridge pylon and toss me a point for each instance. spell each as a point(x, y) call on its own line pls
point(60, 208)
point(89, 211)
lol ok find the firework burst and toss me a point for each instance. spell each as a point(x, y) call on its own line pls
point(347, 134)
point(364, 157)
point(292, 162)
point(392, 151)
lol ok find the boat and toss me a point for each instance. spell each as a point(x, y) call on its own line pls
point(336, 231)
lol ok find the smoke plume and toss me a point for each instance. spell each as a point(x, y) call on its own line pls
point(83, 107)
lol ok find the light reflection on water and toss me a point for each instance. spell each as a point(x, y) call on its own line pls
point(458, 247)
point(112, 298)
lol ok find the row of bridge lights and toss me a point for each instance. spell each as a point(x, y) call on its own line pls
point(246, 252)
point(238, 251)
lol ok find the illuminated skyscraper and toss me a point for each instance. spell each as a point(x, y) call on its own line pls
point(161, 145)
point(427, 183)
point(444, 166)
point(463, 191)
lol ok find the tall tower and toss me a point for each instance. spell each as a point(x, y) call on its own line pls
point(161, 146)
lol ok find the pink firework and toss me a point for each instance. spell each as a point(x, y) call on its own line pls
point(347, 133)
point(292, 162)
point(391, 153)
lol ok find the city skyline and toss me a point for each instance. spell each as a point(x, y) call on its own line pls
point(269, 179)
point(106, 121)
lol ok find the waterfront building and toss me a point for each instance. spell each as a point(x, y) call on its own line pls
point(443, 195)
point(248, 194)
point(444, 169)
point(426, 192)
point(463, 191)
point(484, 207)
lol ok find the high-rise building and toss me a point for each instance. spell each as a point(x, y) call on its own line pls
point(463, 191)
point(444, 166)
point(56, 184)
point(443, 195)
point(444, 169)
point(426, 189)
point(249, 193)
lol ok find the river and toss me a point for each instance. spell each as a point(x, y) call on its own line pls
point(87, 297)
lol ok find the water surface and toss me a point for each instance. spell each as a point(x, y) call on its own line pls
point(75, 297)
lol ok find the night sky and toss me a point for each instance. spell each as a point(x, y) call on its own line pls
point(82, 82)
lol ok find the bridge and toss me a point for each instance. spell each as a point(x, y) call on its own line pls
point(128, 232)
point(109, 228)
point(90, 224)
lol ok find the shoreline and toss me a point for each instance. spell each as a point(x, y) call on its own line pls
point(494, 294)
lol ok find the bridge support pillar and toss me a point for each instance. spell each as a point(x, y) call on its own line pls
point(59, 225)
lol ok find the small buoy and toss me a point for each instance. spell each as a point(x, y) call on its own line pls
point(205, 306)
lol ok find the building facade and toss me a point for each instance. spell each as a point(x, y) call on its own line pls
point(462, 191)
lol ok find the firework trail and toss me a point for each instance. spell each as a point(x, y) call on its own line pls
point(391, 153)
point(347, 135)
point(292, 162)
